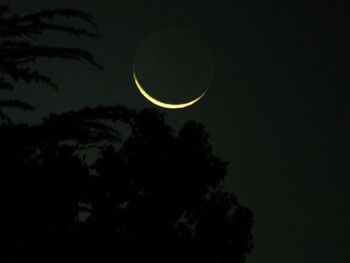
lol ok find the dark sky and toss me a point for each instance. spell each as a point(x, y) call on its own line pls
point(277, 109)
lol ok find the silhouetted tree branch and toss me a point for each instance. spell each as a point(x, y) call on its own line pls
point(20, 47)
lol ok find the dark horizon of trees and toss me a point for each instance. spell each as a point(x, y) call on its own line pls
point(147, 195)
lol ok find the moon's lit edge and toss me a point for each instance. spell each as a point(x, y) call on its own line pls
point(163, 104)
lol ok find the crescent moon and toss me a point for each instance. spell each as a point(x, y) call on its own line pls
point(163, 104)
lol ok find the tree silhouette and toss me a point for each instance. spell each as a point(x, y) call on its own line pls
point(147, 194)
point(155, 193)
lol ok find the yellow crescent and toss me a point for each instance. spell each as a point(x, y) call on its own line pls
point(163, 104)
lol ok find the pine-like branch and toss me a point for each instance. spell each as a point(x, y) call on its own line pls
point(20, 46)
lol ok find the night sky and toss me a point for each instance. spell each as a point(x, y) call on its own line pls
point(277, 108)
